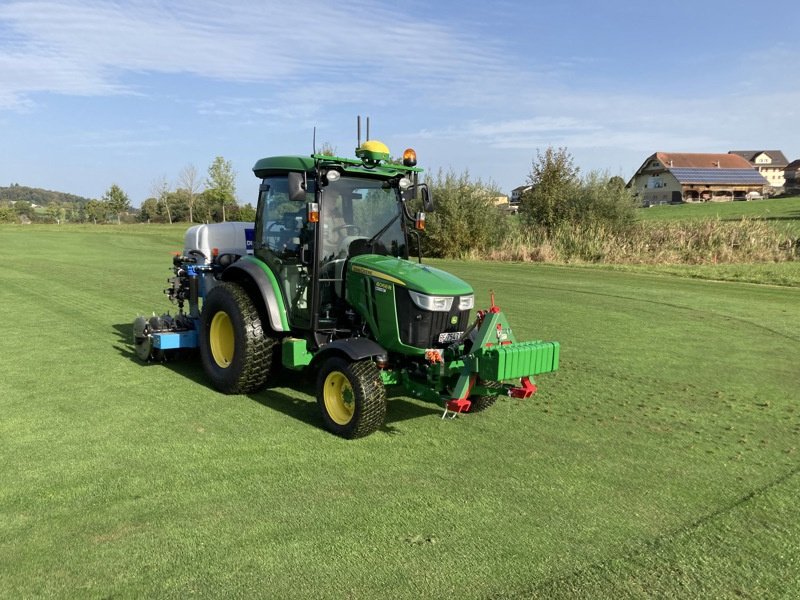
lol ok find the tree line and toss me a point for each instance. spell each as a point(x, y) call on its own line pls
point(467, 218)
point(192, 199)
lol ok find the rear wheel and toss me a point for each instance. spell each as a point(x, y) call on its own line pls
point(234, 348)
point(351, 397)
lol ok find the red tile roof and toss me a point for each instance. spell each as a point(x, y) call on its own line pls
point(702, 161)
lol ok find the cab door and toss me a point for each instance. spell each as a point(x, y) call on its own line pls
point(282, 229)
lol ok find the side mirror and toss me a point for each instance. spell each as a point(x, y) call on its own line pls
point(297, 186)
point(427, 200)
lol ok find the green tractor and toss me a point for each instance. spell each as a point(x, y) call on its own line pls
point(323, 283)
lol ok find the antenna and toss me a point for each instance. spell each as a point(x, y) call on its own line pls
point(314, 140)
point(368, 138)
point(359, 131)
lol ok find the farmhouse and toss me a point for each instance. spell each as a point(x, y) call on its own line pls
point(770, 163)
point(792, 173)
point(673, 177)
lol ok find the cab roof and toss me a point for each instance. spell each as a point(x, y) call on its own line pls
point(276, 165)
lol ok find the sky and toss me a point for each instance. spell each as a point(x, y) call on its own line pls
point(96, 92)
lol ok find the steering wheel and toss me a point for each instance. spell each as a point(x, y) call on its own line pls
point(272, 225)
point(356, 229)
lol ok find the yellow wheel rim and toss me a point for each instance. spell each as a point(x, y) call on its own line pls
point(339, 398)
point(221, 339)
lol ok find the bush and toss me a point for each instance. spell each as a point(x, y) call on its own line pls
point(466, 217)
point(561, 197)
point(7, 215)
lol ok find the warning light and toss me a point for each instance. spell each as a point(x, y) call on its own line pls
point(410, 157)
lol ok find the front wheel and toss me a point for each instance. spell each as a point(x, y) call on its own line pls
point(351, 397)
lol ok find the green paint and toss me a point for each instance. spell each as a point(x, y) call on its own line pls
point(413, 275)
point(294, 353)
point(275, 287)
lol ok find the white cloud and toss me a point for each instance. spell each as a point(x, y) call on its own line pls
point(87, 48)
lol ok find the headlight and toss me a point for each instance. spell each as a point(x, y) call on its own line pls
point(466, 302)
point(433, 303)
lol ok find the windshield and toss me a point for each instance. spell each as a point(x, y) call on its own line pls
point(356, 208)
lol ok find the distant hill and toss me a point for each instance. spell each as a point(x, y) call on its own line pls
point(16, 193)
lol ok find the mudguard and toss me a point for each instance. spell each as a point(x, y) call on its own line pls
point(355, 349)
point(250, 268)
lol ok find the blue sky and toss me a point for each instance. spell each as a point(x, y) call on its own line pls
point(100, 92)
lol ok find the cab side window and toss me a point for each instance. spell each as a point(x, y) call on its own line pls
point(282, 225)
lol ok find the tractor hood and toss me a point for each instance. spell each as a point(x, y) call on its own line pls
point(412, 275)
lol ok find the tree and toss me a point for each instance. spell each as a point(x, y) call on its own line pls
point(96, 209)
point(327, 149)
point(23, 208)
point(554, 178)
point(149, 211)
point(221, 186)
point(561, 197)
point(117, 201)
point(160, 190)
point(55, 212)
point(247, 212)
point(189, 181)
point(7, 215)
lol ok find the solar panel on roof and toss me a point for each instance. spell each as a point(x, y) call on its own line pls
point(742, 176)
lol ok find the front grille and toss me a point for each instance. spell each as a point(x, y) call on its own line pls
point(421, 328)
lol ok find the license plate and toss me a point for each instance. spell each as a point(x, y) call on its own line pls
point(452, 336)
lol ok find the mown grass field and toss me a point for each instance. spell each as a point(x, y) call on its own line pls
point(662, 459)
point(781, 212)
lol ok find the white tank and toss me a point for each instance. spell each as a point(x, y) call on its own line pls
point(234, 237)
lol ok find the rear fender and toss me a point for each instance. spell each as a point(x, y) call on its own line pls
point(250, 269)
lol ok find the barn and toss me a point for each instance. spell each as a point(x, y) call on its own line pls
point(674, 177)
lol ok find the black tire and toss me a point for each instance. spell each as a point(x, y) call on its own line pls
point(351, 397)
point(480, 403)
point(234, 347)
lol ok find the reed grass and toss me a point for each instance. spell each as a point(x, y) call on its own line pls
point(708, 241)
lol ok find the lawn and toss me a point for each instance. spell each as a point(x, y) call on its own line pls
point(660, 461)
point(782, 212)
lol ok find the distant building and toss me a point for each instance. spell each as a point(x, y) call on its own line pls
point(674, 177)
point(792, 174)
point(770, 163)
point(516, 196)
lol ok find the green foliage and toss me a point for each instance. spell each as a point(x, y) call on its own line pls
point(554, 178)
point(96, 210)
point(8, 215)
point(466, 217)
point(55, 212)
point(221, 185)
point(560, 196)
point(117, 201)
point(38, 196)
point(247, 213)
point(327, 149)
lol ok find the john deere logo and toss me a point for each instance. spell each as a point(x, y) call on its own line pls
point(453, 320)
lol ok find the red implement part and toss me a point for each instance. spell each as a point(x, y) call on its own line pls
point(459, 405)
point(526, 390)
point(493, 309)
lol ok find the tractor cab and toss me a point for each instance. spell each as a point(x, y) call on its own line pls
point(316, 213)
